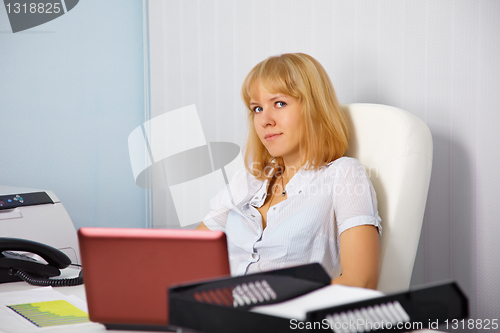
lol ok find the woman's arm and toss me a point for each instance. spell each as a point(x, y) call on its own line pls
point(359, 257)
point(201, 226)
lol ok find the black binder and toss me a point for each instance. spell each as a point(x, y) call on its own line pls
point(221, 306)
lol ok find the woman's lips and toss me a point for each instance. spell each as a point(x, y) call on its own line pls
point(272, 137)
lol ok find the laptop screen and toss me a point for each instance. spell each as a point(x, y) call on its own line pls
point(127, 272)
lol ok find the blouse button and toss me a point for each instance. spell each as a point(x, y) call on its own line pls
point(274, 208)
point(253, 215)
point(300, 191)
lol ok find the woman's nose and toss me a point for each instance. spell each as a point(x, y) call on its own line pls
point(267, 118)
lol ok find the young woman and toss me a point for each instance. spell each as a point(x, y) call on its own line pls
point(299, 201)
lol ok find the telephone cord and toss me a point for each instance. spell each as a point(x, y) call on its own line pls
point(43, 282)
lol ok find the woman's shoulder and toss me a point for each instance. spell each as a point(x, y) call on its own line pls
point(243, 185)
point(344, 162)
point(243, 176)
point(345, 167)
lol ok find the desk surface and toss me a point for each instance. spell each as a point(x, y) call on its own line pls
point(79, 291)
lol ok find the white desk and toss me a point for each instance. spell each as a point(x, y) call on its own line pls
point(79, 291)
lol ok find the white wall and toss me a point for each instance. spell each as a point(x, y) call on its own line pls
point(439, 60)
point(71, 91)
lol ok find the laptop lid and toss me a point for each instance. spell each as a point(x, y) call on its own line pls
point(127, 272)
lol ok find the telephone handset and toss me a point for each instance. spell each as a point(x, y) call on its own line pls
point(15, 266)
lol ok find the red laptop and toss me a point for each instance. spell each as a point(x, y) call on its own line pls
point(127, 272)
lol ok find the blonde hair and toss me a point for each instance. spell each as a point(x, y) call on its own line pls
point(325, 133)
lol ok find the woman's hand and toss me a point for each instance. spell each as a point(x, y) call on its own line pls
point(359, 257)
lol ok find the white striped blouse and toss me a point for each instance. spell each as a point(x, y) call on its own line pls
point(302, 229)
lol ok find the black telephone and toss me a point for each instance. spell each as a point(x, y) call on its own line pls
point(15, 266)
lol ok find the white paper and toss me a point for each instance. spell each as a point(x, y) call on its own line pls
point(325, 297)
point(11, 322)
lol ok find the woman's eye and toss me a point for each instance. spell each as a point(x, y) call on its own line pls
point(257, 109)
point(280, 104)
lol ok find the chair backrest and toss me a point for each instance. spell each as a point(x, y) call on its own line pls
point(396, 149)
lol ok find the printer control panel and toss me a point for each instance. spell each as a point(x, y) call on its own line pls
point(24, 199)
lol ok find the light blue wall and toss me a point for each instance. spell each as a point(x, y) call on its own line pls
point(71, 91)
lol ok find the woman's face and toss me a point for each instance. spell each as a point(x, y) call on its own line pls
point(277, 121)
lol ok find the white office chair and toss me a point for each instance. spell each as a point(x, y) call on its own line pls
point(396, 149)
